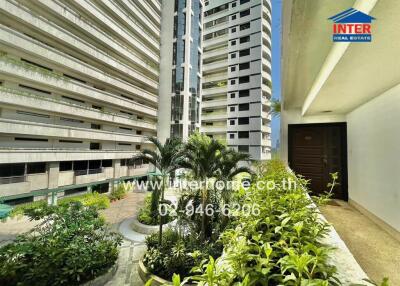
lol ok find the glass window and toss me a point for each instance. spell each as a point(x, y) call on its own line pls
point(65, 166)
point(106, 163)
point(245, 13)
point(243, 120)
point(232, 135)
point(231, 122)
point(243, 148)
point(244, 1)
point(244, 93)
point(244, 39)
point(244, 53)
point(244, 66)
point(243, 134)
point(244, 107)
point(36, 168)
point(244, 79)
point(12, 170)
point(245, 26)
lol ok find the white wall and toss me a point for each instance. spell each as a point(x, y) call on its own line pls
point(374, 156)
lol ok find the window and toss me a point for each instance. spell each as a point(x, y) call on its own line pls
point(123, 162)
point(97, 107)
point(232, 135)
point(243, 148)
point(233, 55)
point(12, 170)
point(30, 139)
point(94, 146)
point(124, 144)
point(71, 120)
point(125, 128)
point(70, 141)
point(233, 95)
point(233, 4)
point(244, 107)
point(244, 66)
point(95, 126)
point(231, 122)
point(245, 13)
point(233, 81)
point(232, 108)
point(233, 17)
point(245, 26)
point(244, 1)
point(244, 53)
point(233, 30)
point(33, 114)
point(244, 79)
point(80, 165)
point(233, 43)
point(106, 163)
point(65, 166)
point(245, 39)
point(36, 168)
point(243, 134)
point(137, 147)
point(233, 69)
point(243, 120)
point(138, 132)
point(244, 93)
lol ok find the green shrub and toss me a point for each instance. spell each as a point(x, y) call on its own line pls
point(118, 192)
point(38, 209)
point(146, 214)
point(99, 201)
point(177, 254)
point(70, 246)
point(279, 245)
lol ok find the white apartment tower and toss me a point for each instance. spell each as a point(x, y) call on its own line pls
point(79, 93)
point(237, 74)
point(180, 69)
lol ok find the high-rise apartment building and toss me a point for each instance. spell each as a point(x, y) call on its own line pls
point(180, 69)
point(237, 74)
point(79, 93)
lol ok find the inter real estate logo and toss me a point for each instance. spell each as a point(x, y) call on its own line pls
point(352, 26)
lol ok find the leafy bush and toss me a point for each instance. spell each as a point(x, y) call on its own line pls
point(38, 209)
point(149, 217)
point(118, 193)
point(279, 245)
point(177, 254)
point(71, 246)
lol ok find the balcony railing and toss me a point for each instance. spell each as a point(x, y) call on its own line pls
point(12, 180)
point(88, 172)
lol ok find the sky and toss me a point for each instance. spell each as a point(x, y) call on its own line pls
point(276, 69)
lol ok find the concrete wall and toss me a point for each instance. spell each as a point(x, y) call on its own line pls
point(374, 156)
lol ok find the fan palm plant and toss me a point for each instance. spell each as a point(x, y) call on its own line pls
point(202, 157)
point(276, 107)
point(166, 158)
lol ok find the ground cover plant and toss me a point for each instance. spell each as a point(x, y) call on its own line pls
point(69, 247)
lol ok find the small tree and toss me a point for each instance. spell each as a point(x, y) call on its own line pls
point(202, 157)
point(166, 159)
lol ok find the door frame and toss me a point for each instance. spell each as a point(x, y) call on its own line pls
point(343, 129)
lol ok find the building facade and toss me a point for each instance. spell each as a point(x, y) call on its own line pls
point(79, 93)
point(181, 68)
point(237, 75)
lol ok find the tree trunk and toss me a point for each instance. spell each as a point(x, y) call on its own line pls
point(161, 217)
point(203, 217)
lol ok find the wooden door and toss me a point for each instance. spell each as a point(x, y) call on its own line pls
point(316, 151)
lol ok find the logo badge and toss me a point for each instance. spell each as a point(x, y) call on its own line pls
point(352, 26)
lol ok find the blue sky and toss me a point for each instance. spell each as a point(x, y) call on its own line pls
point(276, 57)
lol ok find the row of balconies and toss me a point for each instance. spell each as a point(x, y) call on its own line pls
point(18, 98)
point(12, 71)
point(15, 41)
point(62, 37)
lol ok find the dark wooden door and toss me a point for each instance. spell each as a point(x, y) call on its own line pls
point(316, 151)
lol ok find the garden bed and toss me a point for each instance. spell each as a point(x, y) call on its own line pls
point(139, 227)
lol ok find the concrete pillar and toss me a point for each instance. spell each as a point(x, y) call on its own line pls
point(53, 171)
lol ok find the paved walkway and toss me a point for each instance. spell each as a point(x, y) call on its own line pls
point(377, 252)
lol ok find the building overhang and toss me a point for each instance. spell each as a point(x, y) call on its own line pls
point(320, 76)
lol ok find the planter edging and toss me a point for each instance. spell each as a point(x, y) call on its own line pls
point(146, 275)
point(139, 227)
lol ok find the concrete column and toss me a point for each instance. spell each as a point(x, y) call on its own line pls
point(53, 171)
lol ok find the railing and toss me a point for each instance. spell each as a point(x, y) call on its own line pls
point(12, 180)
point(88, 172)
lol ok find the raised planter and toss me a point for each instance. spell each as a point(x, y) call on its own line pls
point(148, 229)
point(146, 275)
point(103, 279)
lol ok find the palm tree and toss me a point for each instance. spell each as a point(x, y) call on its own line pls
point(229, 168)
point(166, 159)
point(202, 157)
point(276, 107)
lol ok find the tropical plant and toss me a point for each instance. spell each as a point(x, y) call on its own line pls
point(166, 159)
point(118, 192)
point(276, 107)
point(69, 247)
point(202, 157)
